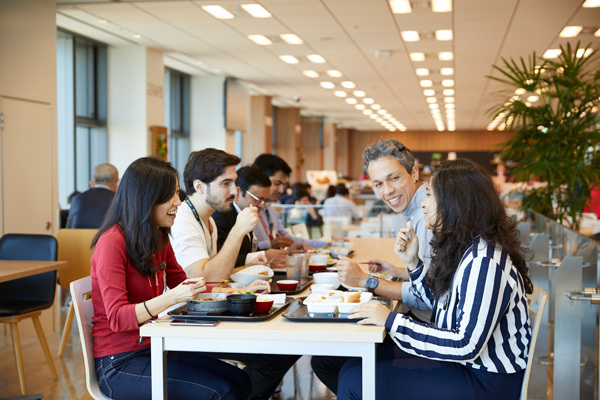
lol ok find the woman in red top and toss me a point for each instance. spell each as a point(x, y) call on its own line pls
point(132, 264)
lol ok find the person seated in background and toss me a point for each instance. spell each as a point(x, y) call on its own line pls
point(379, 207)
point(305, 213)
point(64, 213)
point(477, 343)
point(340, 204)
point(270, 232)
point(330, 192)
point(254, 188)
point(88, 208)
point(132, 264)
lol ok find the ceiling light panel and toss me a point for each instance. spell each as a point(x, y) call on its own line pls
point(360, 106)
point(445, 55)
point(256, 10)
point(368, 100)
point(447, 71)
point(591, 3)
point(429, 92)
point(348, 84)
point(315, 58)
point(359, 93)
point(260, 40)
point(340, 93)
point(448, 82)
point(218, 12)
point(448, 92)
point(426, 83)
point(583, 52)
point(443, 34)
point(441, 5)
point(401, 6)
point(326, 85)
point(351, 100)
point(410, 36)
point(422, 71)
point(310, 74)
point(570, 31)
point(552, 53)
point(290, 38)
point(334, 73)
point(417, 56)
point(289, 59)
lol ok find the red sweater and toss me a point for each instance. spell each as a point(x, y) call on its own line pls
point(117, 287)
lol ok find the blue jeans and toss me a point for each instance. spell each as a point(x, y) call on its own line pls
point(403, 376)
point(190, 375)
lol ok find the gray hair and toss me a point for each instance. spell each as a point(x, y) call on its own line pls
point(105, 174)
point(388, 148)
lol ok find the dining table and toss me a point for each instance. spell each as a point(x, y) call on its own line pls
point(15, 269)
point(276, 335)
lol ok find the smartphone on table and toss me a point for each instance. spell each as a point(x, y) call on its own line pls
point(181, 322)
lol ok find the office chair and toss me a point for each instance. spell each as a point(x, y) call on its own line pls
point(27, 297)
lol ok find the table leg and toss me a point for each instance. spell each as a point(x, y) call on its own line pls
point(158, 368)
point(368, 372)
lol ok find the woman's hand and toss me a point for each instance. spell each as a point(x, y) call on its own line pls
point(382, 266)
point(188, 289)
point(350, 273)
point(259, 260)
point(407, 246)
point(258, 286)
point(373, 314)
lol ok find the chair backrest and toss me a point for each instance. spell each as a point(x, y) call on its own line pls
point(31, 247)
point(537, 303)
point(301, 231)
point(84, 311)
point(74, 247)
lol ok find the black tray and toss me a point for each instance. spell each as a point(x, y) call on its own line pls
point(301, 286)
point(183, 313)
point(299, 313)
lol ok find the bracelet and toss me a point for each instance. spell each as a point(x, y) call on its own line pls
point(148, 311)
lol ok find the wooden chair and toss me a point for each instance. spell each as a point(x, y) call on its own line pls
point(28, 297)
point(73, 247)
point(537, 303)
point(84, 310)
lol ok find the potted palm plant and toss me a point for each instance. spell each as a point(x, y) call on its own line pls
point(552, 109)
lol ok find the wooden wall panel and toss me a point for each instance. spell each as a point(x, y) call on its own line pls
point(342, 164)
point(329, 146)
point(311, 154)
point(288, 131)
point(258, 137)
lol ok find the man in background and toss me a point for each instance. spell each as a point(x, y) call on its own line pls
point(340, 204)
point(88, 208)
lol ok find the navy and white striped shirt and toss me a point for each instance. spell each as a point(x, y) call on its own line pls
point(483, 322)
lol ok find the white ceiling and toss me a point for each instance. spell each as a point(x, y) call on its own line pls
point(347, 33)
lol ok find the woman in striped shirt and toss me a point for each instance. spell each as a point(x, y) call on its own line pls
point(477, 343)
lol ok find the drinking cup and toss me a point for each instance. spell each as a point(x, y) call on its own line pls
point(293, 267)
point(337, 240)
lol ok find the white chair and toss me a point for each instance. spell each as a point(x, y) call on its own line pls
point(301, 231)
point(537, 303)
point(84, 310)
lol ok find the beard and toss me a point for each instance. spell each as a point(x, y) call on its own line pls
point(217, 204)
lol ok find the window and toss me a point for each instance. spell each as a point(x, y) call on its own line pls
point(81, 110)
point(177, 117)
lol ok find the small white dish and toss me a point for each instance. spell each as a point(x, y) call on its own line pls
point(321, 287)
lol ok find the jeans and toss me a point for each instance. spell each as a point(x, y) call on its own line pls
point(189, 376)
point(404, 376)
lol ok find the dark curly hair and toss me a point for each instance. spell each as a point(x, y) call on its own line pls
point(468, 205)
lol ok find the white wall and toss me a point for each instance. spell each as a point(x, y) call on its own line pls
point(207, 107)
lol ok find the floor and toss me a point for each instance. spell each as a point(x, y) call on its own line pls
point(71, 380)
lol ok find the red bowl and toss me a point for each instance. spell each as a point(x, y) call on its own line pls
point(317, 267)
point(287, 285)
point(263, 307)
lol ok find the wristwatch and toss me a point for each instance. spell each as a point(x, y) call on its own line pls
point(371, 283)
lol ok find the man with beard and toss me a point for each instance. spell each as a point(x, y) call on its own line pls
point(209, 177)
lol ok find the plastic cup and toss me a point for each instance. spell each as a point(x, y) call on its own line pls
point(337, 240)
point(293, 267)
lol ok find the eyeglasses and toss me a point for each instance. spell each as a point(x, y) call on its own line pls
point(264, 203)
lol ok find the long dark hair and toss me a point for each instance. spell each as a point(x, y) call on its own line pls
point(468, 205)
point(146, 183)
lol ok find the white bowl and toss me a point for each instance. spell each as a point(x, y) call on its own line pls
point(250, 274)
point(322, 287)
point(330, 278)
point(319, 259)
point(349, 245)
point(339, 251)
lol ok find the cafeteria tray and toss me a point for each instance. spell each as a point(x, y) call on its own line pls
point(183, 313)
point(301, 286)
point(299, 313)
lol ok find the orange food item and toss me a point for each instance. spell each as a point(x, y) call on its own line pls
point(263, 273)
point(352, 297)
point(322, 179)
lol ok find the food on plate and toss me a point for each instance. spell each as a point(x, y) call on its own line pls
point(263, 273)
point(323, 179)
point(351, 297)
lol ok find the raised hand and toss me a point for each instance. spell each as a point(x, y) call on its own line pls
point(281, 241)
point(278, 257)
point(382, 266)
point(350, 273)
point(407, 246)
point(247, 219)
point(189, 289)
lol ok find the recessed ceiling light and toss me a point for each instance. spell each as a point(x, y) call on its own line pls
point(375, 106)
point(261, 40)
point(136, 36)
point(597, 33)
point(570, 31)
point(348, 84)
point(426, 83)
point(447, 71)
point(429, 92)
point(334, 73)
point(422, 71)
point(533, 98)
point(256, 10)
point(102, 21)
point(373, 116)
point(367, 112)
point(290, 38)
point(583, 52)
point(359, 93)
point(400, 6)
point(552, 53)
point(351, 100)
point(450, 105)
point(520, 91)
point(449, 100)
point(431, 100)
point(410, 36)
point(368, 100)
point(445, 55)
point(315, 58)
point(326, 85)
point(591, 3)
point(387, 116)
point(311, 74)
point(218, 12)
point(382, 112)
point(448, 82)
point(360, 106)
point(289, 59)
point(434, 105)
point(417, 56)
point(340, 93)
point(448, 92)
point(443, 34)
point(441, 5)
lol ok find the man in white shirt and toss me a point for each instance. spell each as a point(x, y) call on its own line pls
point(209, 177)
point(340, 204)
